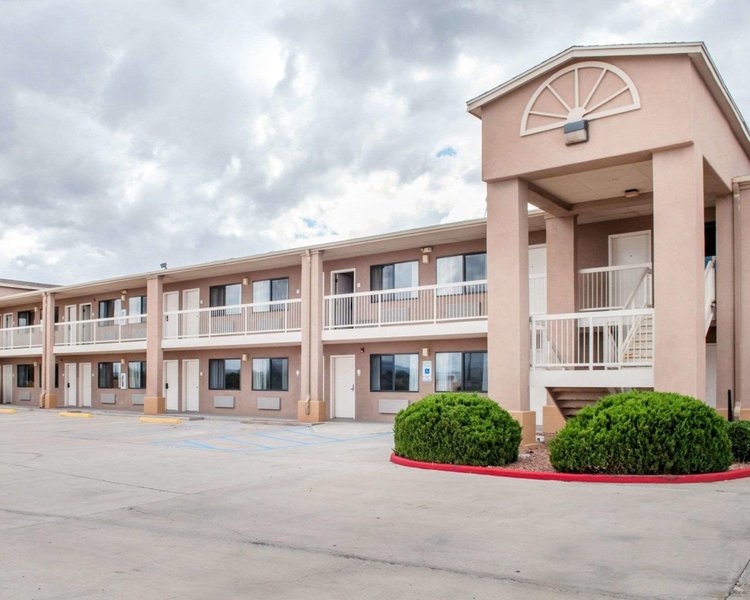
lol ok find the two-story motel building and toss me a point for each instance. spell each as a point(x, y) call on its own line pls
point(630, 273)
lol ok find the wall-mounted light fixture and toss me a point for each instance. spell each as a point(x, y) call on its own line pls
point(122, 362)
point(124, 296)
point(425, 352)
point(426, 251)
point(245, 281)
point(632, 193)
point(362, 349)
point(576, 132)
point(244, 358)
point(163, 265)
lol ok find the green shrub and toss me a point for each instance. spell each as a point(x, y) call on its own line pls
point(643, 433)
point(459, 429)
point(739, 436)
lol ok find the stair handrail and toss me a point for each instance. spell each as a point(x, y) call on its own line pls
point(630, 302)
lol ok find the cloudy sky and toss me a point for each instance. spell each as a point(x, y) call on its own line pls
point(134, 133)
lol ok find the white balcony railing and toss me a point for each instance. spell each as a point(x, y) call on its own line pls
point(422, 304)
point(112, 330)
point(593, 340)
point(615, 288)
point(14, 338)
point(240, 319)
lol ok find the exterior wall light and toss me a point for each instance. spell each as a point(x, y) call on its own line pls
point(576, 132)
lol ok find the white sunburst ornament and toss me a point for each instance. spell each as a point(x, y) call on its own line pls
point(573, 96)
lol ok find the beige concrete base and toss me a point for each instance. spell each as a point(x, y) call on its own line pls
point(723, 413)
point(744, 414)
point(49, 400)
point(317, 411)
point(154, 405)
point(527, 420)
point(552, 420)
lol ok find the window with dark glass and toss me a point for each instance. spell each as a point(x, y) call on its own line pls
point(461, 372)
point(224, 374)
point(110, 312)
point(25, 318)
point(460, 268)
point(137, 309)
point(271, 374)
point(109, 375)
point(57, 375)
point(137, 374)
point(24, 376)
point(394, 373)
point(270, 290)
point(225, 295)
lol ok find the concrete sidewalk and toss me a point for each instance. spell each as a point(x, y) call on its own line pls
point(110, 507)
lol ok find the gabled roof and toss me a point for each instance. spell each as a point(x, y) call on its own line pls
point(695, 50)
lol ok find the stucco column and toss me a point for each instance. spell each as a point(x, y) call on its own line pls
point(153, 403)
point(724, 300)
point(742, 296)
point(561, 264)
point(679, 329)
point(508, 300)
point(312, 406)
point(48, 398)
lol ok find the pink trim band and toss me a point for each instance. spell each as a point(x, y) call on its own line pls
point(589, 478)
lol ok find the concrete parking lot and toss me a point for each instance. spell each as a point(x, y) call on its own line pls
point(110, 507)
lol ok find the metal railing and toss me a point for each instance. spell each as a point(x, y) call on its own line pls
point(422, 304)
point(615, 288)
point(709, 281)
point(13, 338)
point(239, 319)
point(112, 330)
point(593, 340)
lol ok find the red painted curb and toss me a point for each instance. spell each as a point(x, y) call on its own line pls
point(554, 476)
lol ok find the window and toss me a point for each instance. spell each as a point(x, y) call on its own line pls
point(136, 307)
point(25, 376)
point(271, 374)
point(224, 374)
point(137, 374)
point(57, 375)
point(270, 290)
point(395, 276)
point(463, 267)
point(225, 295)
point(108, 309)
point(461, 371)
point(394, 373)
point(25, 318)
point(109, 375)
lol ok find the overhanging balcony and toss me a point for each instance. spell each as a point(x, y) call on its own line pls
point(260, 323)
point(21, 341)
point(445, 310)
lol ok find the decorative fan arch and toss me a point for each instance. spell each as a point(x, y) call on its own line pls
point(586, 90)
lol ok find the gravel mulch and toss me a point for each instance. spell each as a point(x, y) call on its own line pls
point(537, 459)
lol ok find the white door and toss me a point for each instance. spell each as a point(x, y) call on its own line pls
point(191, 384)
point(342, 282)
point(71, 315)
point(629, 249)
point(538, 279)
point(171, 385)
point(171, 325)
point(191, 300)
point(71, 384)
point(343, 372)
point(86, 329)
point(7, 384)
point(84, 374)
point(7, 335)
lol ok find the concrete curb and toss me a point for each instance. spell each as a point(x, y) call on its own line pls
point(7, 411)
point(77, 415)
point(161, 420)
point(577, 477)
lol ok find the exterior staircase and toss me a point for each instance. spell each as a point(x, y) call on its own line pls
point(570, 400)
point(639, 345)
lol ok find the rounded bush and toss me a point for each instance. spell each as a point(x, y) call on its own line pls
point(458, 429)
point(739, 436)
point(643, 433)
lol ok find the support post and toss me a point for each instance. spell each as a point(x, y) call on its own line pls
point(48, 398)
point(679, 290)
point(724, 298)
point(312, 405)
point(154, 403)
